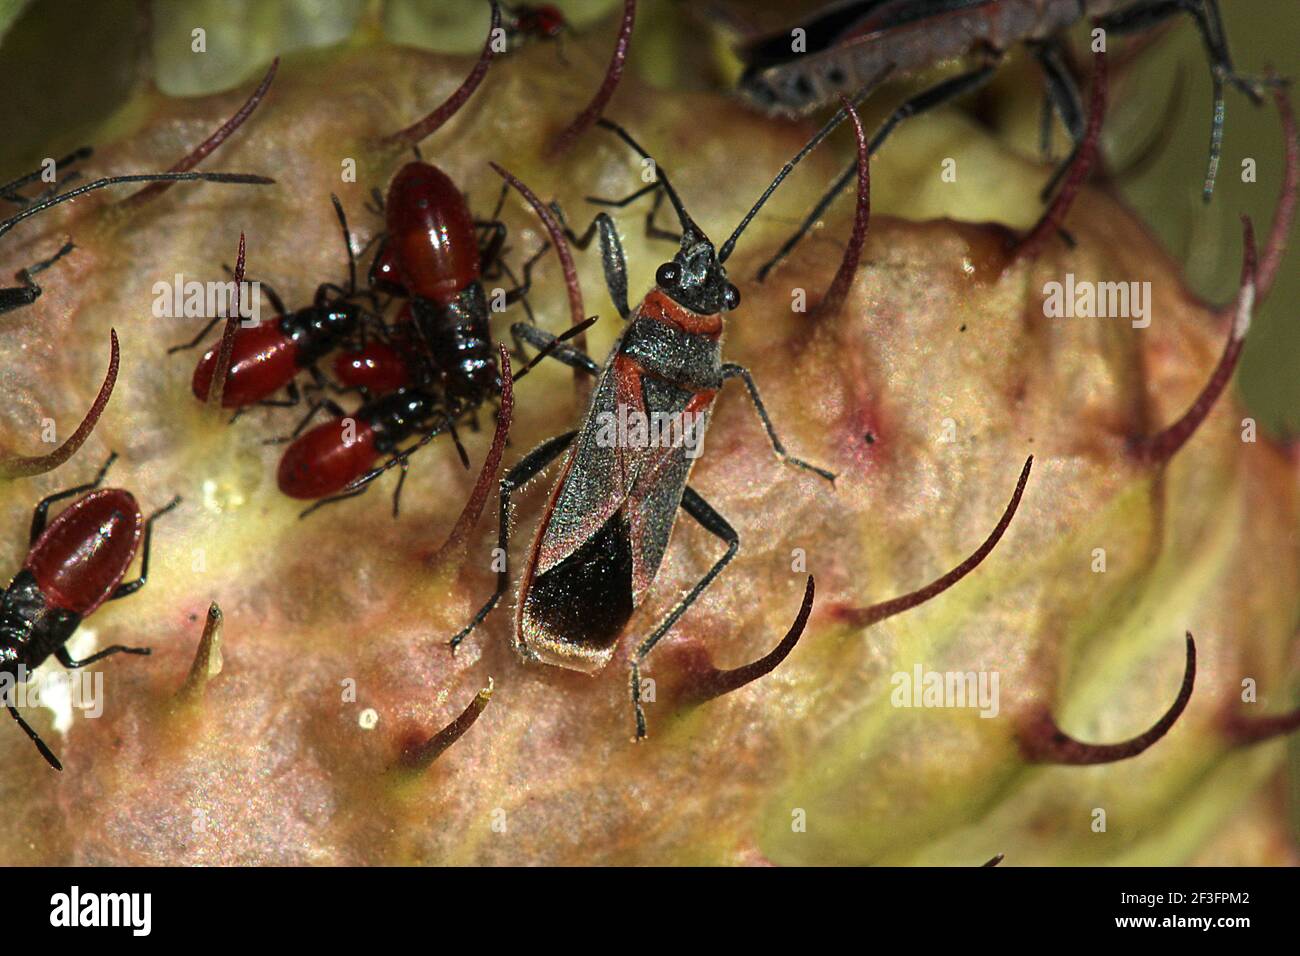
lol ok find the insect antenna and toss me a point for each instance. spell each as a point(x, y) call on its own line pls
point(571, 332)
point(347, 243)
point(8, 190)
point(840, 115)
point(245, 178)
point(690, 231)
point(219, 136)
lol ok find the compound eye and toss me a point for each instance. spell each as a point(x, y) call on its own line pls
point(731, 297)
point(666, 275)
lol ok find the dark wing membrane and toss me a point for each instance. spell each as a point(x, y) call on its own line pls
point(822, 32)
point(892, 14)
point(900, 36)
point(653, 501)
point(845, 21)
point(582, 603)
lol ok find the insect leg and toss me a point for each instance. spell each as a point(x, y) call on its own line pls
point(8, 191)
point(271, 295)
point(492, 247)
point(1063, 94)
point(29, 291)
point(327, 289)
point(370, 243)
point(539, 338)
point(130, 587)
point(43, 507)
point(1146, 14)
point(341, 496)
point(1210, 21)
point(655, 232)
point(15, 297)
point(528, 468)
point(37, 208)
point(401, 480)
point(626, 200)
point(651, 230)
point(936, 96)
point(399, 459)
point(731, 370)
point(1062, 98)
point(35, 738)
point(715, 524)
point(501, 203)
point(1045, 128)
point(347, 243)
point(1141, 16)
point(293, 400)
point(519, 294)
point(521, 289)
point(321, 383)
point(68, 661)
point(192, 343)
point(611, 255)
point(327, 404)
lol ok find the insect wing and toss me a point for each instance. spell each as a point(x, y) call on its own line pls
point(656, 495)
point(820, 33)
point(598, 476)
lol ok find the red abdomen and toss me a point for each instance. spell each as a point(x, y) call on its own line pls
point(431, 233)
point(323, 462)
point(263, 361)
point(377, 367)
point(84, 553)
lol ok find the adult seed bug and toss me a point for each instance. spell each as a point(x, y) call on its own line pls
point(605, 531)
point(847, 41)
point(74, 564)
